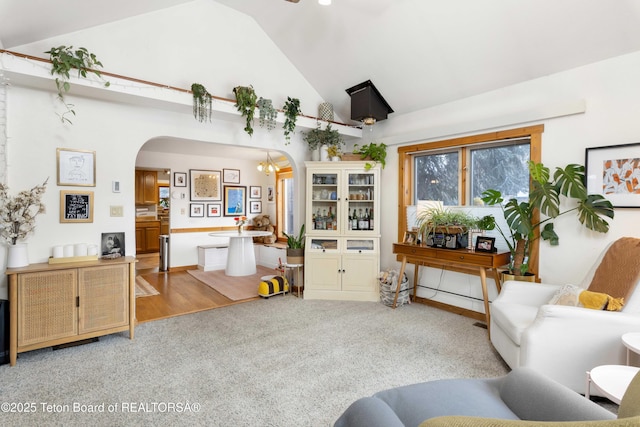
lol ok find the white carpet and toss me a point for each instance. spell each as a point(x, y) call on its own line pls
point(277, 362)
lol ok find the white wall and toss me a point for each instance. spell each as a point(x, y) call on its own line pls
point(608, 94)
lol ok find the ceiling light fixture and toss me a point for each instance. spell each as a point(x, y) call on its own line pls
point(367, 104)
point(268, 166)
point(324, 2)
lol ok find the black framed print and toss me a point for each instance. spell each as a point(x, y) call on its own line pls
point(614, 172)
point(76, 206)
point(235, 200)
point(179, 179)
point(255, 207)
point(231, 176)
point(112, 243)
point(255, 192)
point(196, 210)
point(214, 209)
point(205, 185)
point(485, 244)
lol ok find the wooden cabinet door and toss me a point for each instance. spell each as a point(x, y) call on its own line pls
point(140, 240)
point(360, 273)
point(104, 297)
point(47, 306)
point(152, 238)
point(323, 272)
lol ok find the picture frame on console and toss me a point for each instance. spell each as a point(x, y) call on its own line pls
point(485, 244)
point(410, 237)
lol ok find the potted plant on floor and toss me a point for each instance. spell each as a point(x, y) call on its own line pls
point(544, 198)
point(295, 247)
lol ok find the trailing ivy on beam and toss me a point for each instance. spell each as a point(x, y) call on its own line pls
point(201, 102)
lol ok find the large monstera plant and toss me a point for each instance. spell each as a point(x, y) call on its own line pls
point(545, 196)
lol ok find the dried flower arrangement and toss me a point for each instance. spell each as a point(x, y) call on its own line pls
point(18, 213)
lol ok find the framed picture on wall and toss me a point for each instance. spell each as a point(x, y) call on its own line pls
point(255, 192)
point(235, 200)
point(179, 179)
point(76, 167)
point(214, 209)
point(196, 210)
point(76, 206)
point(205, 185)
point(231, 176)
point(614, 172)
point(255, 207)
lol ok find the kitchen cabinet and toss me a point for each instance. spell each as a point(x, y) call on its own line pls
point(342, 256)
point(146, 183)
point(53, 304)
point(147, 236)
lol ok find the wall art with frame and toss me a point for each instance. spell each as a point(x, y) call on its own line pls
point(196, 210)
point(214, 209)
point(410, 237)
point(255, 192)
point(76, 206)
point(76, 167)
point(205, 185)
point(614, 172)
point(231, 176)
point(255, 206)
point(235, 200)
point(179, 179)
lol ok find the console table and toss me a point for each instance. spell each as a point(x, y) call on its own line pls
point(53, 304)
point(465, 259)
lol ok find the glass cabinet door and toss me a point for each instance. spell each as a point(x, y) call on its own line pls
point(324, 201)
point(360, 215)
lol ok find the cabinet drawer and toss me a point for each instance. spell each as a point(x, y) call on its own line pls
point(465, 257)
point(322, 245)
point(360, 245)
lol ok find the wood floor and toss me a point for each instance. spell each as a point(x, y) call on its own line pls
point(180, 293)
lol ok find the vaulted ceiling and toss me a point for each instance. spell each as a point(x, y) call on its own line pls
point(418, 53)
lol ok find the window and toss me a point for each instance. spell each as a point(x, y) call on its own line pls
point(500, 165)
point(458, 170)
point(284, 202)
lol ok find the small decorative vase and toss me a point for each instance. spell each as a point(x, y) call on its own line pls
point(324, 155)
point(17, 256)
point(240, 229)
point(315, 154)
point(325, 111)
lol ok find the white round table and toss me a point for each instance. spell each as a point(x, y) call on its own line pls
point(611, 380)
point(631, 340)
point(241, 258)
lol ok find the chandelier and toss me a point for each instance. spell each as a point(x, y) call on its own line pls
point(268, 166)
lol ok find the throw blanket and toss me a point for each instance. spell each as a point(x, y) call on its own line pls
point(619, 270)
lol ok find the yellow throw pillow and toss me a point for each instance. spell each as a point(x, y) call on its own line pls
point(600, 301)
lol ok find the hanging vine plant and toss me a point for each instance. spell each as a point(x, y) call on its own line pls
point(201, 102)
point(246, 105)
point(291, 112)
point(63, 60)
point(268, 114)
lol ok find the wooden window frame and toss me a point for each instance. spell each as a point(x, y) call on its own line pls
point(406, 172)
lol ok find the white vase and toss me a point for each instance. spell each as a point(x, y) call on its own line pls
point(324, 155)
point(17, 255)
point(315, 154)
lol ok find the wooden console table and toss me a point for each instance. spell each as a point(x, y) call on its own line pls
point(53, 304)
point(480, 262)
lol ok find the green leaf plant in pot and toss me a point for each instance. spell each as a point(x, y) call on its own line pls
point(295, 247)
point(445, 221)
point(63, 60)
point(374, 151)
point(545, 196)
point(201, 103)
point(291, 110)
point(246, 100)
point(316, 138)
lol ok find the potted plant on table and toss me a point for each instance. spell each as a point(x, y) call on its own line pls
point(544, 198)
point(446, 222)
point(295, 247)
point(318, 138)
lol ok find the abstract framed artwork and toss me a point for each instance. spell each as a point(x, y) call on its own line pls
point(205, 185)
point(235, 200)
point(231, 176)
point(76, 167)
point(196, 210)
point(255, 192)
point(255, 206)
point(179, 179)
point(614, 172)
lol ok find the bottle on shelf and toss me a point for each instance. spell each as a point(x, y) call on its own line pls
point(362, 222)
point(354, 220)
point(371, 218)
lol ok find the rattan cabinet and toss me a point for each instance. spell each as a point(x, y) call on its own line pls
point(61, 303)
